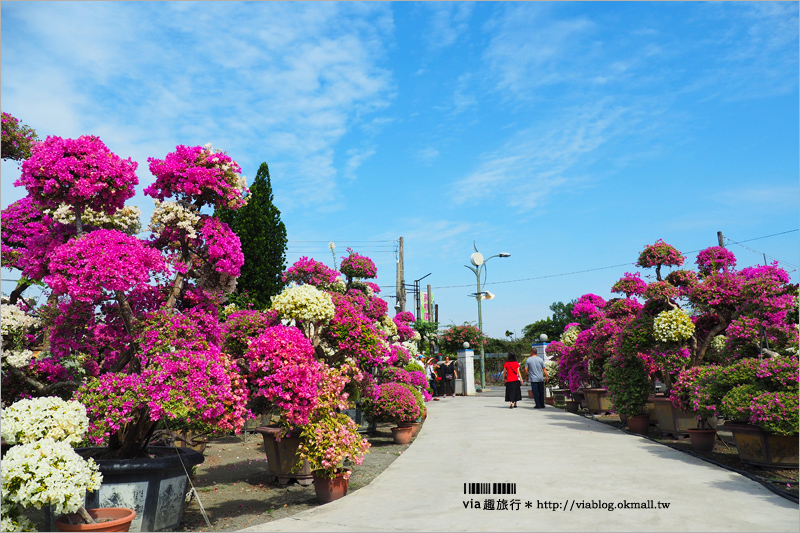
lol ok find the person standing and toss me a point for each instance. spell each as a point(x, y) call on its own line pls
point(450, 376)
point(430, 373)
point(536, 372)
point(513, 380)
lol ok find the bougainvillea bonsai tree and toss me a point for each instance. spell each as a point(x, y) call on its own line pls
point(131, 325)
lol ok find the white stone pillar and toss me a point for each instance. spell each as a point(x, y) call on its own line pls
point(466, 371)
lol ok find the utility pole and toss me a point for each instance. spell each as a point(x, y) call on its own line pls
point(401, 281)
point(430, 304)
point(720, 239)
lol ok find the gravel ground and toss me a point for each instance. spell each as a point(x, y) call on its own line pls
point(234, 490)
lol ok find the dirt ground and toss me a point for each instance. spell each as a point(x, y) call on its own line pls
point(235, 493)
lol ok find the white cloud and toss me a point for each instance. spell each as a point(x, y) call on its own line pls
point(177, 73)
point(428, 154)
point(449, 21)
point(355, 158)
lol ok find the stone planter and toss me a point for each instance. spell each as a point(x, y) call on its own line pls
point(674, 422)
point(597, 401)
point(283, 456)
point(757, 447)
point(154, 487)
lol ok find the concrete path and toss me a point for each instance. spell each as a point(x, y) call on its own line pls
point(569, 474)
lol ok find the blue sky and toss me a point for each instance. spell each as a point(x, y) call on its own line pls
point(569, 135)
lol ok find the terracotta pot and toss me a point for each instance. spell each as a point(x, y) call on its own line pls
point(109, 519)
point(283, 456)
point(573, 405)
point(702, 439)
point(530, 394)
point(757, 447)
point(330, 489)
point(402, 435)
point(550, 400)
point(639, 424)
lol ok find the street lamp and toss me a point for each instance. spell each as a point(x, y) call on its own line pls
point(479, 265)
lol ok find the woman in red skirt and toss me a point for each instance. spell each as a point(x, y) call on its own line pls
point(513, 380)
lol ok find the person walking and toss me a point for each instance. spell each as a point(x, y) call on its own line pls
point(450, 376)
point(536, 372)
point(513, 380)
point(430, 373)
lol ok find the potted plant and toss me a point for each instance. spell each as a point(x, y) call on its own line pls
point(693, 392)
point(394, 402)
point(629, 386)
point(759, 400)
point(43, 469)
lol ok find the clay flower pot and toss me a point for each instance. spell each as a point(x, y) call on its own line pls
point(109, 519)
point(639, 424)
point(327, 489)
point(702, 439)
point(402, 435)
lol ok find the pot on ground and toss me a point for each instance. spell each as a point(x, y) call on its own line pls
point(597, 401)
point(107, 519)
point(402, 435)
point(155, 487)
point(702, 439)
point(283, 457)
point(573, 406)
point(327, 489)
point(639, 424)
point(757, 447)
point(550, 400)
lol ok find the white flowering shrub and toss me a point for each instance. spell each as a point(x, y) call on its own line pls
point(12, 519)
point(15, 321)
point(718, 342)
point(569, 336)
point(127, 219)
point(17, 358)
point(411, 346)
point(387, 326)
point(304, 302)
point(29, 420)
point(173, 215)
point(48, 472)
point(672, 326)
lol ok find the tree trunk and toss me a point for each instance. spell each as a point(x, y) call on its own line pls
point(22, 285)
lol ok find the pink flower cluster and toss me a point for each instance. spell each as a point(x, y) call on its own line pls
point(283, 369)
point(199, 176)
point(223, 246)
point(311, 272)
point(715, 259)
point(402, 321)
point(589, 306)
point(660, 254)
point(23, 222)
point(630, 285)
point(102, 260)
point(78, 172)
point(356, 265)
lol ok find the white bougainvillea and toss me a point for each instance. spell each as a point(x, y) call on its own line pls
point(29, 420)
point(126, 219)
point(17, 358)
point(15, 321)
point(569, 336)
point(672, 326)
point(173, 214)
point(304, 302)
point(48, 472)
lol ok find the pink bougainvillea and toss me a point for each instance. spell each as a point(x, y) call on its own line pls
point(283, 369)
point(630, 285)
point(589, 306)
point(79, 172)
point(23, 221)
point(198, 175)
point(715, 259)
point(224, 247)
point(102, 260)
point(358, 266)
point(309, 271)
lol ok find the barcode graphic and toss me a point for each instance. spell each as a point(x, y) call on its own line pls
point(490, 488)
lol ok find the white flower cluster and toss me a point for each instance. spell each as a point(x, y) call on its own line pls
point(17, 358)
point(29, 420)
point(387, 326)
point(14, 320)
point(718, 342)
point(304, 302)
point(48, 472)
point(417, 364)
point(12, 519)
point(173, 214)
point(411, 346)
point(126, 219)
point(569, 336)
point(673, 325)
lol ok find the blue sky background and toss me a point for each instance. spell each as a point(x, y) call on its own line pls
point(570, 135)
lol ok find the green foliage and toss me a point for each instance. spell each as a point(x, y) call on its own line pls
point(553, 326)
point(258, 225)
point(17, 139)
point(628, 384)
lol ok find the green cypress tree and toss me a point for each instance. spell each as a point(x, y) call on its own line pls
point(258, 225)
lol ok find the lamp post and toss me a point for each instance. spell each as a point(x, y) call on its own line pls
point(479, 265)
